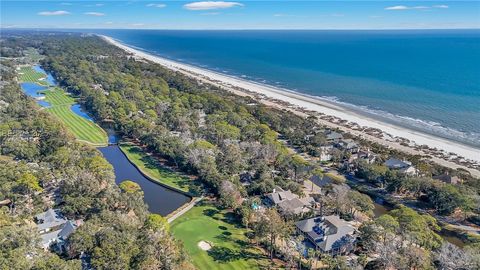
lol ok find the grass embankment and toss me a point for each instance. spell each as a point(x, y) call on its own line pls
point(230, 247)
point(151, 167)
point(28, 74)
point(82, 128)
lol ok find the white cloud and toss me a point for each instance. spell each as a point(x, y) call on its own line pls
point(108, 22)
point(137, 24)
point(397, 8)
point(66, 4)
point(206, 5)
point(414, 7)
point(94, 14)
point(157, 5)
point(53, 13)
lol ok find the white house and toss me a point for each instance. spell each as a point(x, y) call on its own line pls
point(402, 166)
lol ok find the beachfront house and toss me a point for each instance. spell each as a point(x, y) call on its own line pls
point(402, 166)
point(447, 178)
point(329, 234)
point(348, 145)
point(351, 164)
point(333, 137)
point(289, 203)
point(54, 229)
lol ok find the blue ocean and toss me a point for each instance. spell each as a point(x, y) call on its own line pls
point(426, 80)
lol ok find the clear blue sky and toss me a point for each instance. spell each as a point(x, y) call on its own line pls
point(241, 14)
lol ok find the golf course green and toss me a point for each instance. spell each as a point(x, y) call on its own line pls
point(28, 74)
point(205, 226)
point(152, 168)
point(82, 128)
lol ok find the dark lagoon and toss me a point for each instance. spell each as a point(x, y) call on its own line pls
point(160, 200)
point(77, 109)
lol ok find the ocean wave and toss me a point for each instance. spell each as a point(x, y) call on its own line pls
point(430, 127)
point(426, 126)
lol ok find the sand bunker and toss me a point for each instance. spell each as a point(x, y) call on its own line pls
point(204, 245)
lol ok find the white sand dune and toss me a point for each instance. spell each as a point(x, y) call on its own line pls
point(311, 103)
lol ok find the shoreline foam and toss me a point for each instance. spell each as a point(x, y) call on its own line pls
point(311, 103)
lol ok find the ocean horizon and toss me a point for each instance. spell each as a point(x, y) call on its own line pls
point(424, 80)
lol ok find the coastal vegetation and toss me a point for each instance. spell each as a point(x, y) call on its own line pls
point(240, 150)
point(42, 166)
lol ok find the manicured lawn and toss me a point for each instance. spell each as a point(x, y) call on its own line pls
point(28, 74)
point(57, 97)
point(231, 249)
point(151, 167)
point(82, 128)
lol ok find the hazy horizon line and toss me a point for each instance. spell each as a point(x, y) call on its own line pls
point(242, 29)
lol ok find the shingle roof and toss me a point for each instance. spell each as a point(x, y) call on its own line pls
point(48, 238)
point(394, 163)
point(277, 197)
point(49, 219)
point(294, 206)
point(325, 232)
point(447, 178)
point(67, 229)
point(334, 136)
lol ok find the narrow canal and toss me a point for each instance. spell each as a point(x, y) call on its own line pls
point(160, 200)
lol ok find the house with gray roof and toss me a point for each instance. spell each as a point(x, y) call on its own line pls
point(49, 219)
point(329, 234)
point(447, 178)
point(277, 197)
point(348, 145)
point(54, 228)
point(333, 136)
point(289, 203)
point(402, 166)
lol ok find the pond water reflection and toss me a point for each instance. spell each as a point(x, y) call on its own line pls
point(77, 109)
point(160, 200)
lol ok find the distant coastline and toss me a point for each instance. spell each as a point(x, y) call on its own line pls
point(394, 136)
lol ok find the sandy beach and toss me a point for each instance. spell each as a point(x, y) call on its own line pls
point(304, 105)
